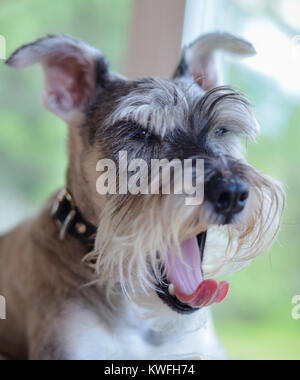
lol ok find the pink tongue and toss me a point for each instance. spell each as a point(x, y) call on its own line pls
point(187, 278)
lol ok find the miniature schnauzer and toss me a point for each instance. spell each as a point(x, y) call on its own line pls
point(128, 276)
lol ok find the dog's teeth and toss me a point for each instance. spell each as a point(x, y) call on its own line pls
point(171, 290)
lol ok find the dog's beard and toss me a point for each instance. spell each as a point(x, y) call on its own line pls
point(135, 235)
point(230, 248)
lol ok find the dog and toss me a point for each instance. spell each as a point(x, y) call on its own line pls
point(128, 276)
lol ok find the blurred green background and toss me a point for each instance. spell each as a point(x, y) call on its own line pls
point(256, 321)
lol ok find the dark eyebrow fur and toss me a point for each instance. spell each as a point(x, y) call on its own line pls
point(124, 128)
point(205, 109)
point(135, 125)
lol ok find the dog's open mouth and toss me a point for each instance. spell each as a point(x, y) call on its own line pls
point(184, 288)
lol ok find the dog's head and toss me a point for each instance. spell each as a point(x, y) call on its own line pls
point(152, 241)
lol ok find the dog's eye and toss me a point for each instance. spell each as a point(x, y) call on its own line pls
point(220, 132)
point(140, 135)
point(144, 136)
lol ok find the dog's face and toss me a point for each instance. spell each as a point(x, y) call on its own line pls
point(158, 241)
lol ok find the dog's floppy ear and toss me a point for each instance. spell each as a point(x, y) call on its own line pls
point(74, 73)
point(198, 58)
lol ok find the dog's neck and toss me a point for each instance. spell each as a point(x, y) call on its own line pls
point(78, 184)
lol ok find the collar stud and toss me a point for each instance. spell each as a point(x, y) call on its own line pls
point(71, 222)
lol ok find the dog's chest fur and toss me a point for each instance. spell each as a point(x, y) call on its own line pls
point(86, 338)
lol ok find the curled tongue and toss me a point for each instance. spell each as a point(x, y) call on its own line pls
point(186, 276)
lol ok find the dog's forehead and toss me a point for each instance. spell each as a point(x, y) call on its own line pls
point(162, 106)
point(157, 104)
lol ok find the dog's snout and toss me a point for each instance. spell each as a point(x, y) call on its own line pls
point(228, 197)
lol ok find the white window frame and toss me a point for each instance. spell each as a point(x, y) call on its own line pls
point(200, 17)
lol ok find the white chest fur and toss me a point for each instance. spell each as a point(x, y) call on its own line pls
point(85, 337)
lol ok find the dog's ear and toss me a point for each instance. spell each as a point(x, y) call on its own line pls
point(198, 58)
point(74, 73)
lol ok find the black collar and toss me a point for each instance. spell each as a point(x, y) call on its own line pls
point(71, 222)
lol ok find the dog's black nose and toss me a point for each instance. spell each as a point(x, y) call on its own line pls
point(228, 197)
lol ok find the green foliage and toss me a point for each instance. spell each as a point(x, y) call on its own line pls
point(33, 141)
